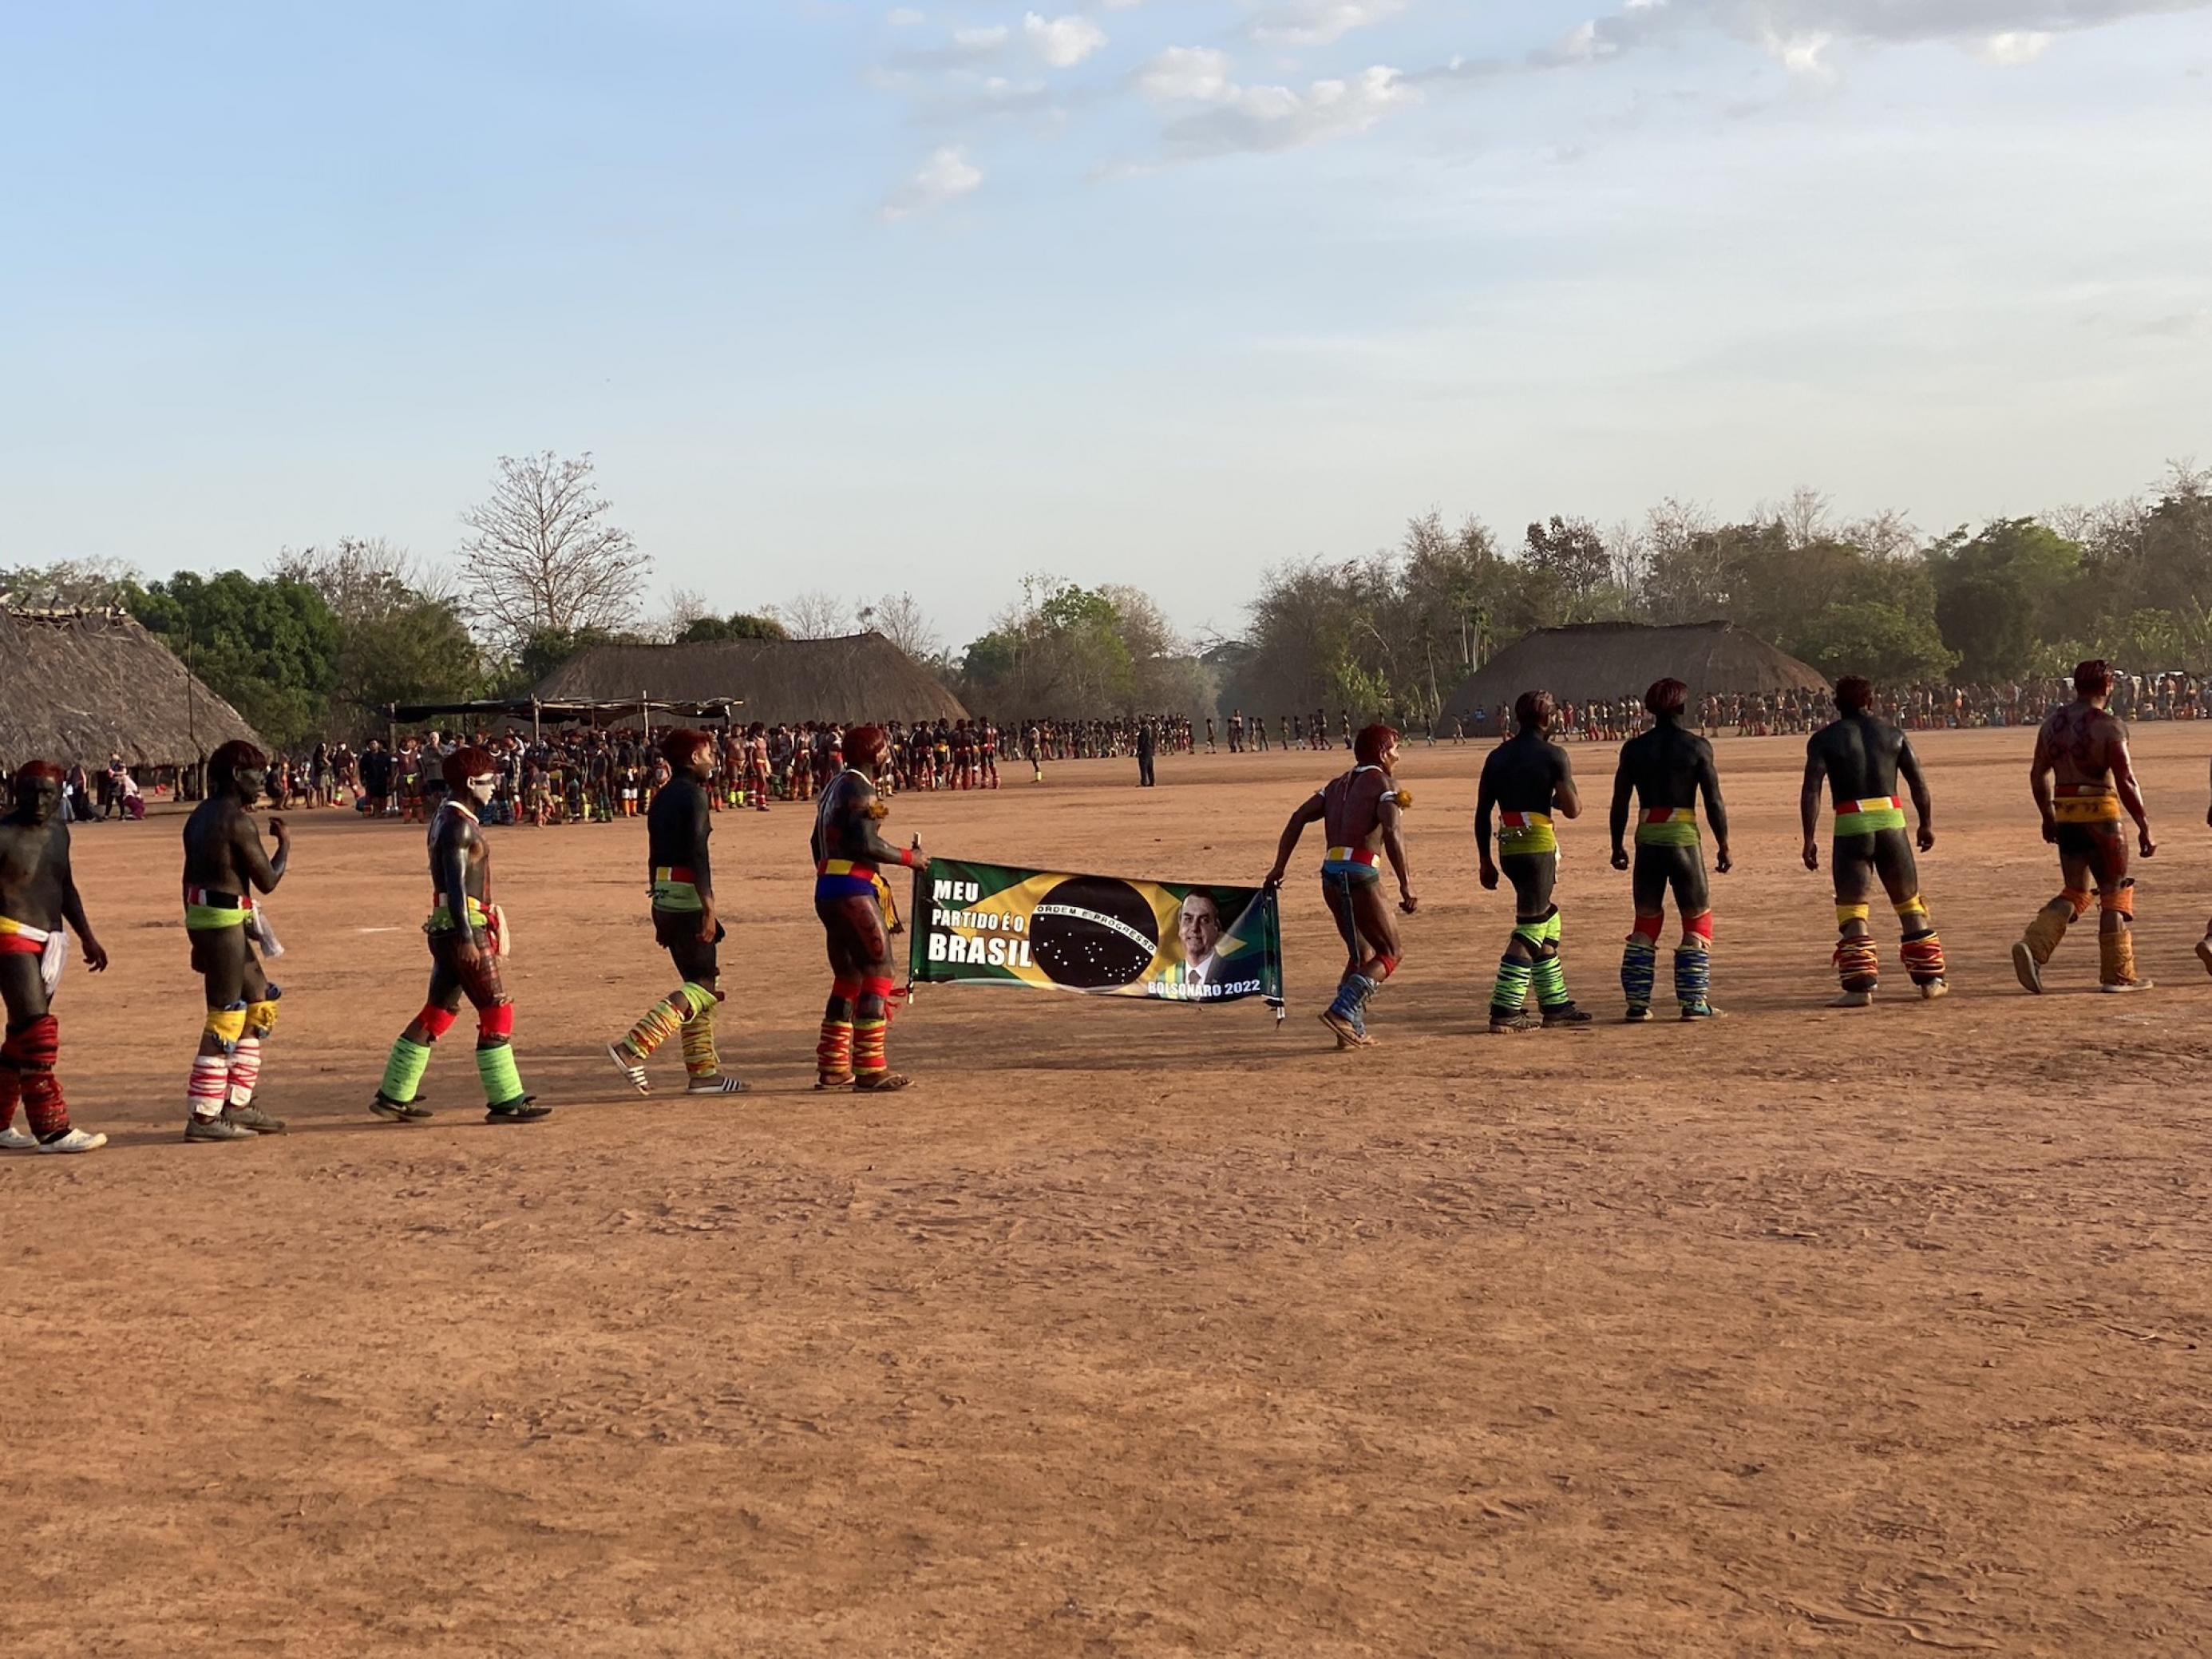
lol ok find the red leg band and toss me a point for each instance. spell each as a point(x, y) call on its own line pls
point(884, 988)
point(1385, 966)
point(31, 1053)
point(496, 1021)
point(1701, 925)
point(1651, 927)
point(435, 1021)
point(846, 990)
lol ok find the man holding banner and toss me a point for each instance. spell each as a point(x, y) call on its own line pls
point(848, 897)
point(1362, 810)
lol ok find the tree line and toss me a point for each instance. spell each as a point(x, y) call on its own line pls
point(334, 633)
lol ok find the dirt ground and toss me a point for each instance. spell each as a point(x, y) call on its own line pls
point(1138, 1329)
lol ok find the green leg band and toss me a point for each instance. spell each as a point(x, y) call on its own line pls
point(1511, 994)
point(702, 997)
point(502, 1083)
point(403, 1072)
point(1551, 981)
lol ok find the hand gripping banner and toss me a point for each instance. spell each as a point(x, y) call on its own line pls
point(1101, 936)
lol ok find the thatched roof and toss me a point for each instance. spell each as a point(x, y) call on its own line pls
point(1593, 660)
point(83, 685)
point(780, 682)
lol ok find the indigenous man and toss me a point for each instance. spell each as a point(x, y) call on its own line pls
point(1860, 759)
point(38, 895)
point(849, 898)
point(224, 867)
point(1665, 768)
point(1526, 778)
point(468, 937)
point(1362, 812)
point(684, 922)
point(757, 774)
point(2085, 747)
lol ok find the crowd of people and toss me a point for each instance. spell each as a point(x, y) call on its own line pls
point(1666, 787)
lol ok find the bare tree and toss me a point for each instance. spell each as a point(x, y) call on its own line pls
point(1805, 515)
point(900, 618)
point(544, 557)
point(363, 578)
point(684, 606)
point(815, 615)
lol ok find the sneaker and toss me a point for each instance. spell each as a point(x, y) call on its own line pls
point(1568, 1015)
point(1504, 1024)
point(1934, 988)
point(714, 1085)
point(13, 1140)
point(76, 1140)
point(2029, 970)
point(2127, 986)
point(253, 1118)
point(1640, 1013)
point(217, 1128)
point(525, 1110)
point(1854, 1000)
point(400, 1111)
point(626, 1063)
point(1697, 1011)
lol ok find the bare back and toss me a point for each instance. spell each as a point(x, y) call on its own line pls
point(2080, 744)
point(1354, 807)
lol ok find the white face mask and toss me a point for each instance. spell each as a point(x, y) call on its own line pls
point(481, 789)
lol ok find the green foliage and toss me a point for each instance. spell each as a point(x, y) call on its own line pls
point(739, 625)
point(1888, 643)
point(268, 646)
point(1068, 650)
point(547, 648)
point(2001, 594)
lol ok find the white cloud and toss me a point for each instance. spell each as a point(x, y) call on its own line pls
point(904, 17)
point(989, 39)
point(1062, 42)
point(1227, 116)
point(1319, 23)
point(946, 176)
point(2014, 47)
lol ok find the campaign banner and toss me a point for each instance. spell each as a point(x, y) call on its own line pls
point(1100, 936)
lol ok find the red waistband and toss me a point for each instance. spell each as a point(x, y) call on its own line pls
point(210, 901)
point(676, 872)
point(15, 945)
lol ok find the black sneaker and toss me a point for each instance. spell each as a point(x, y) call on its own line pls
point(400, 1111)
point(1567, 1015)
point(525, 1110)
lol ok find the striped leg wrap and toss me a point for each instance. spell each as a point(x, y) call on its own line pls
point(1549, 974)
point(28, 1056)
point(1858, 965)
point(403, 1072)
point(657, 1024)
point(1693, 980)
point(245, 1070)
point(495, 1069)
point(211, 1081)
point(1510, 997)
point(1639, 969)
point(871, 1041)
point(1922, 955)
point(700, 1059)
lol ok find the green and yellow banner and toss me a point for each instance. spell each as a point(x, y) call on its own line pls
point(1100, 936)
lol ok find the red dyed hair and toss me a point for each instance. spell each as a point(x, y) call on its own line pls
point(458, 767)
point(31, 771)
point(1668, 696)
point(682, 746)
point(235, 756)
point(1535, 708)
point(2093, 678)
point(862, 742)
point(1373, 743)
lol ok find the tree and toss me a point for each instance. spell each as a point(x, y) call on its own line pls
point(544, 557)
point(815, 615)
point(1888, 643)
point(900, 618)
point(71, 585)
point(400, 639)
point(268, 646)
point(2003, 596)
point(738, 625)
point(1572, 554)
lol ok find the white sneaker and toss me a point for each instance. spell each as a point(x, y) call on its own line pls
point(77, 1141)
point(13, 1140)
point(1854, 1000)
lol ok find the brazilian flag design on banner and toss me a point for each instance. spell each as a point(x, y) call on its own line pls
point(1101, 936)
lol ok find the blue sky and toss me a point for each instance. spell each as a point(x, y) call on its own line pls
point(867, 298)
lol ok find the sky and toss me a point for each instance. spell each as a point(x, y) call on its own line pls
point(867, 299)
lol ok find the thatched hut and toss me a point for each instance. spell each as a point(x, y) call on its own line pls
point(781, 682)
point(1596, 660)
point(82, 686)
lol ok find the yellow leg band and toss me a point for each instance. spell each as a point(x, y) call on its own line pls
point(1915, 906)
point(228, 1024)
point(1848, 913)
point(261, 1017)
